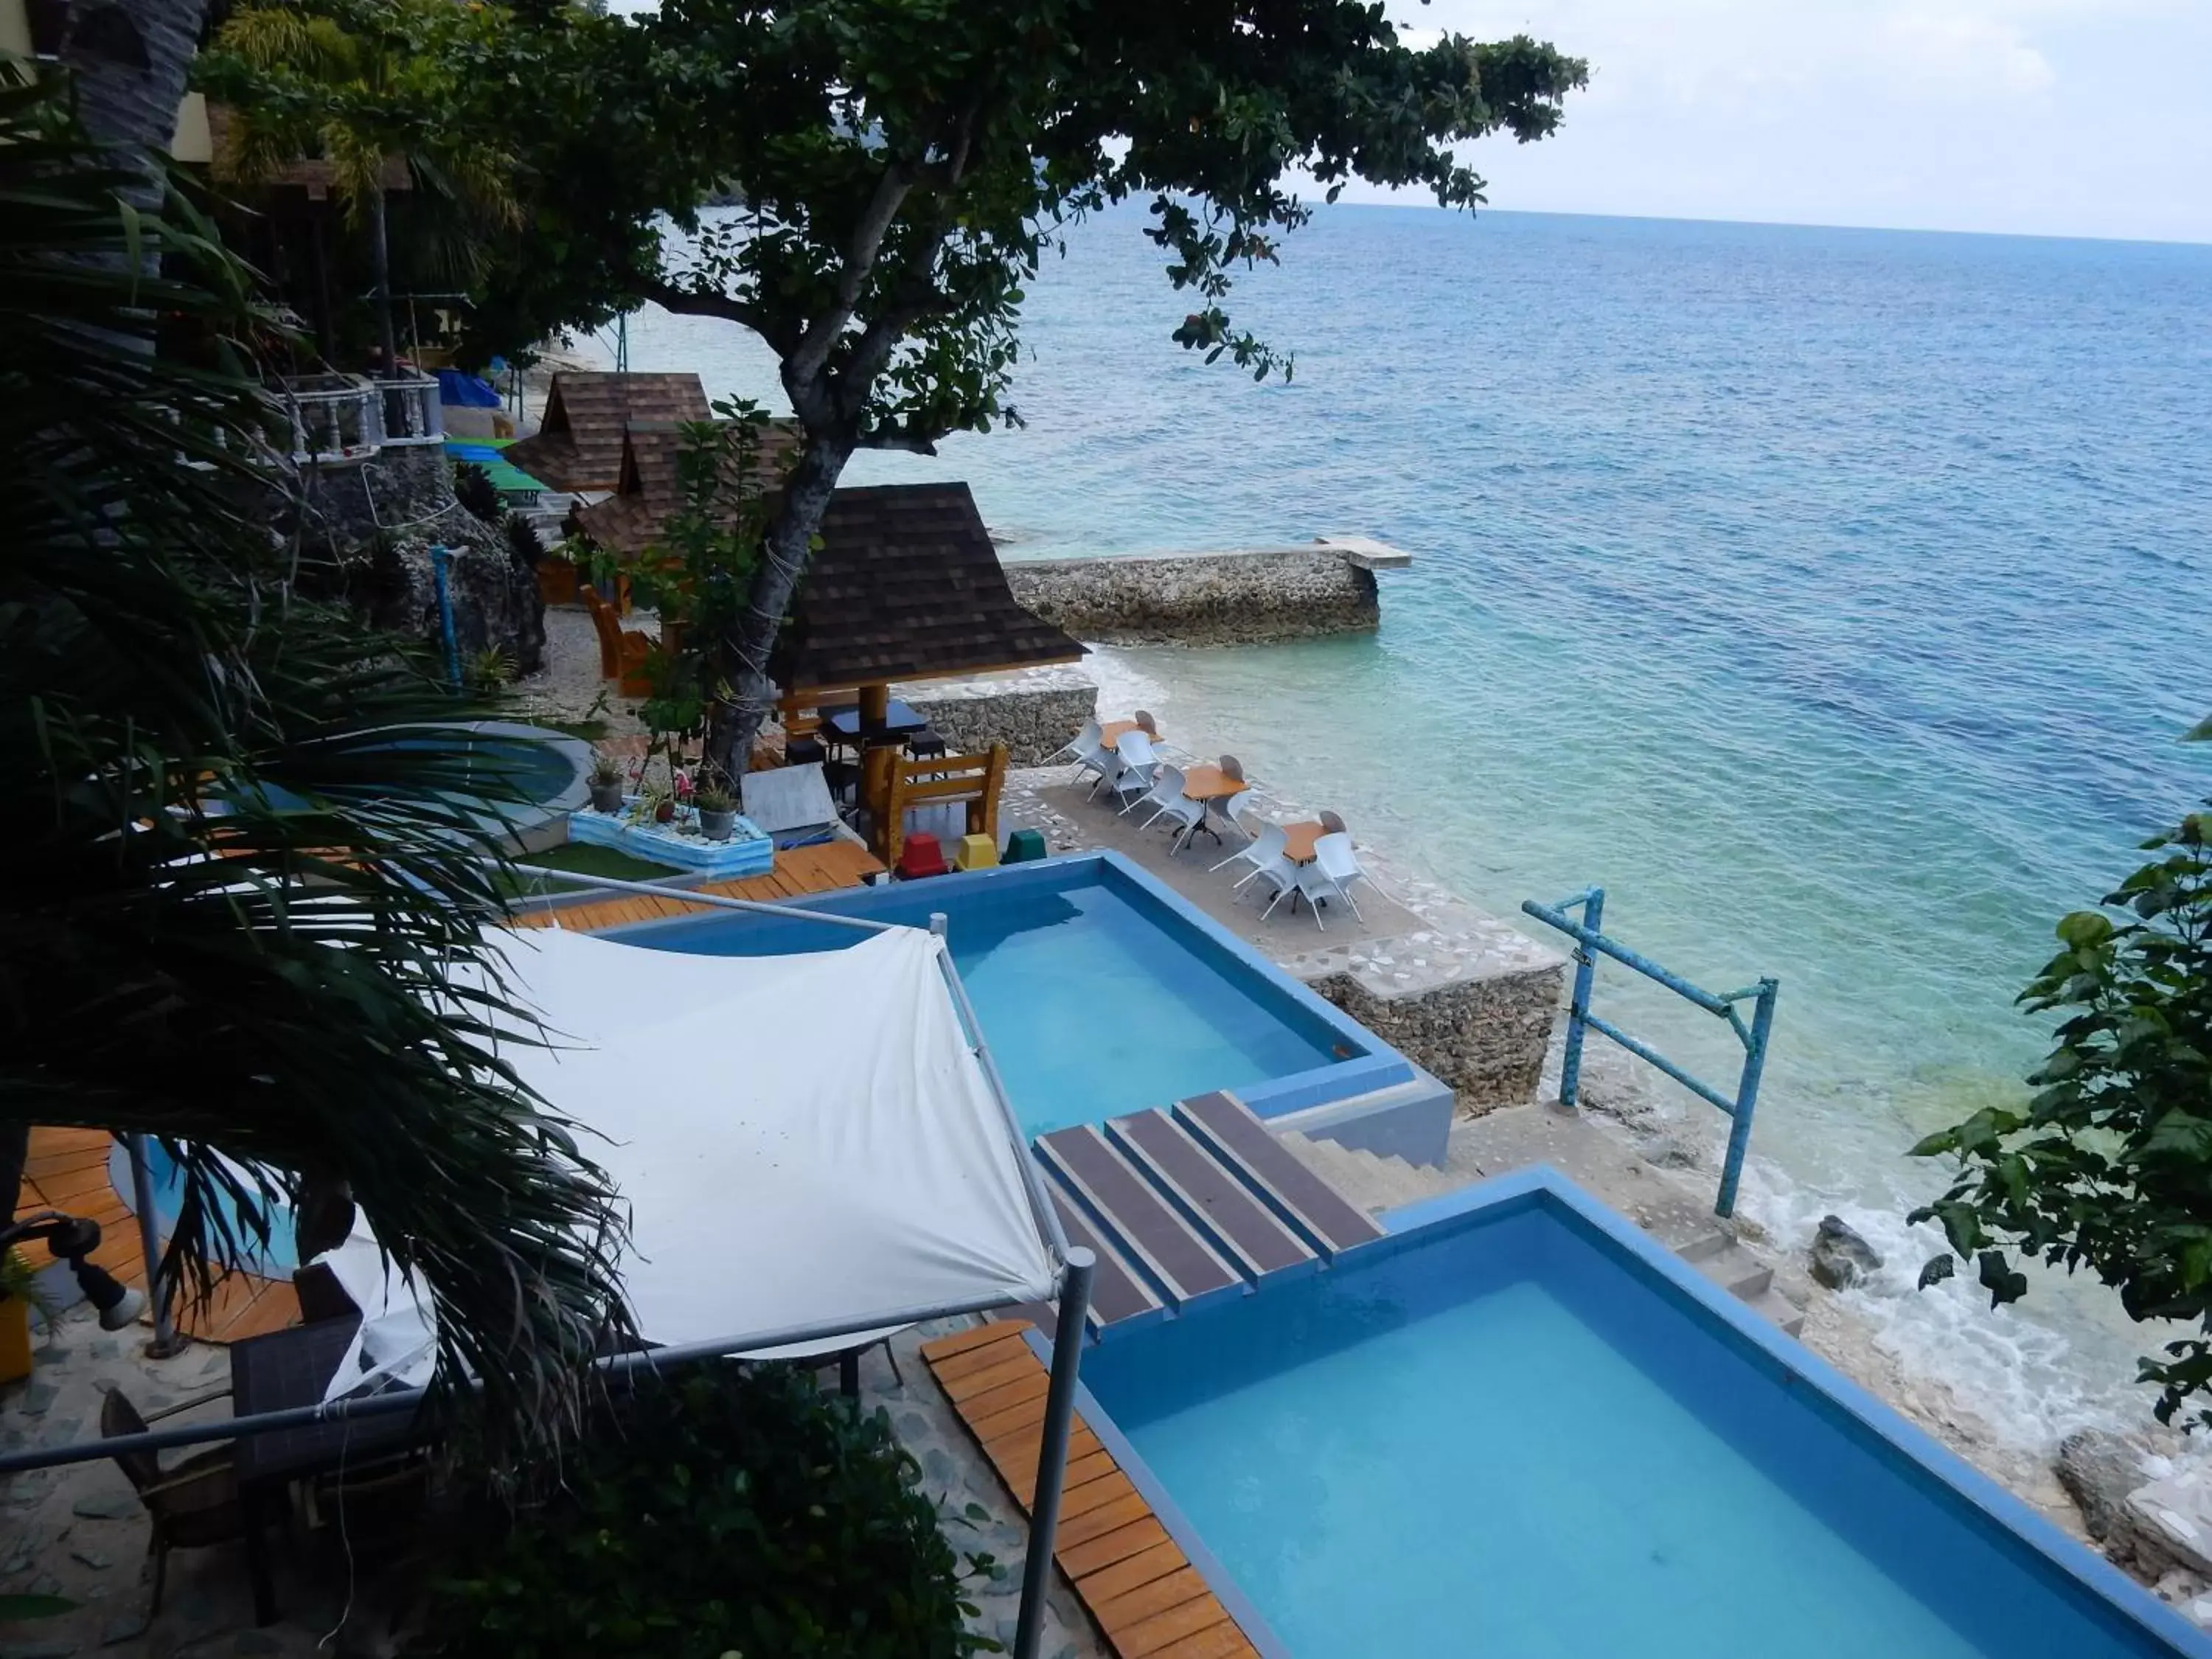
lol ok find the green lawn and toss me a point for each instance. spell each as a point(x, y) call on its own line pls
point(588, 860)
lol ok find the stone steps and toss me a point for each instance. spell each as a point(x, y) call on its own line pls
point(1377, 1184)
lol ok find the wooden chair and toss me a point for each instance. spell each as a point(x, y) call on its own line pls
point(192, 1504)
point(623, 651)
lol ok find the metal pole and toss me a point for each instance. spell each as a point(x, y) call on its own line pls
point(439, 555)
point(1052, 1455)
point(165, 1344)
point(940, 923)
point(1571, 1064)
point(1747, 1097)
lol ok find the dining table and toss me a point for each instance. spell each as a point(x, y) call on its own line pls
point(1114, 731)
point(1299, 839)
point(1206, 785)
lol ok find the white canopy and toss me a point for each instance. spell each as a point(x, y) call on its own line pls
point(800, 1141)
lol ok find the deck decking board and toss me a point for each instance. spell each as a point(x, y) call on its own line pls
point(799, 872)
point(1137, 1216)
point(1138, 1586)
point(1240, 1222)
point(1333, 1225)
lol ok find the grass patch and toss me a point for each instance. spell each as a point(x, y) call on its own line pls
point(586, 859)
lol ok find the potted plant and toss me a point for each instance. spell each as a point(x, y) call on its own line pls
point(717, 809)
point(606, 784)
point(18, 1295)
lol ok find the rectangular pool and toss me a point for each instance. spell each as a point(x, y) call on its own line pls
point(1099, 991)
point(1521, 1430)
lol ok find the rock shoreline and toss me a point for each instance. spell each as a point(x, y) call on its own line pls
point(1244, 596)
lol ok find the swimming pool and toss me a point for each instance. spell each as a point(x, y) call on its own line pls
point(1099, 991)
point(277, 1262)
point(1517, 1428)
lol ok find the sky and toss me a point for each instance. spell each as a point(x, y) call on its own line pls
point(2070, 118)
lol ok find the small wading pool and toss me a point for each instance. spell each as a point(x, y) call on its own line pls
point(1517, 1429)
point(1099, 991)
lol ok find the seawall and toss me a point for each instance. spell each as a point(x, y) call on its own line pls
point(1237, 597)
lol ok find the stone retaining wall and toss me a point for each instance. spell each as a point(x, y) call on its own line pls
point(1203, 599)
point(1485, 1037)
point(1033, 712)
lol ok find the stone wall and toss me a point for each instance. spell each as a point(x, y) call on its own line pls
point(381, 517)
point(1033, 712)
point(1204, 599)
point(1486, 1038)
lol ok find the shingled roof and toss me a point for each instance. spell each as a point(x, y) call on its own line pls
point(649, 488)
point(906, 586)
point(579, 445)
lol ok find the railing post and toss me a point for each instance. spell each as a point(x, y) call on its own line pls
point(438, 558)
point(1570, 1063)
point(165, 1345)
point(1746, 1098)
point(1051, 1452)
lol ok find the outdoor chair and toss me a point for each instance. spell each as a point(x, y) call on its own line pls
point(1082, 743)
point(1181, 812)
point(1232, 768)
point(1167, 785)
point(1330, 876)
point(928, 743)
point(1330, 822)
point(1139, 763)
point(193, 1503)
point(1265, 847)
point(1144, 719)
point(1096, 758)
point(1278, 874)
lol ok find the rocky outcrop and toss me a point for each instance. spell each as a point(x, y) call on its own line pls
point(1841, 1258)
point(1206, 599)
point(378, 519)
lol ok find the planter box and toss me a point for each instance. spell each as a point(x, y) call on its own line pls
point(678, 842)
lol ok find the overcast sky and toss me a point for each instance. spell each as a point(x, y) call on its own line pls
point(2084, 118)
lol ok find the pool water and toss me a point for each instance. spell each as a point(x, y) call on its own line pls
point(276, 1262)
point(1094, 1000)
point(1506, 1444)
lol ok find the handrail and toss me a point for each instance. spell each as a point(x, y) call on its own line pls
point(1590, 944)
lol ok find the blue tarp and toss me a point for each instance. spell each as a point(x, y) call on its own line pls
point(461, 390)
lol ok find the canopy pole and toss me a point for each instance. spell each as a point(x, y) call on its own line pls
point(165, 1345)
point(1052, 1455)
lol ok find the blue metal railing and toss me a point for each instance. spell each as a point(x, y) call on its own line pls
point(1590, 944)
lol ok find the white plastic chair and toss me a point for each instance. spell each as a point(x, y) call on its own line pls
point(1183, 813)
point(1331, 874)
point(1244, 815)
point(1167, 785)
point(1277, 872)
point(1083, 743)
point(1138, 764)
point(1266, 846)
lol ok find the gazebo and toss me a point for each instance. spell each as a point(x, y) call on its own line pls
point(578, 446)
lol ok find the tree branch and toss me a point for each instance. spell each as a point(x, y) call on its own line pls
point(806, 363)
point(895, 438)
point(706, 302)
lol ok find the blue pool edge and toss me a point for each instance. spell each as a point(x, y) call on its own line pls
point(1411, 1225)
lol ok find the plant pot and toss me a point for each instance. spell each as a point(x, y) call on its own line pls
point(606, 797)
point(665, 813)
point(717, 826)
point(15, 1338)
point(556, 581)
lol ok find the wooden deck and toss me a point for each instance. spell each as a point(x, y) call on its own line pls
point(68, 1171)
point(1132, 1578)
point(799, 872)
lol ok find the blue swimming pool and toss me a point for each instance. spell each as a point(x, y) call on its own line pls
point(1099, 991)
point(1520, 1431)
point(277, 1262)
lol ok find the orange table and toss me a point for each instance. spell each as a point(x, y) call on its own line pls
point(1206, 785)
point(1111, 732)
point(1299, 839)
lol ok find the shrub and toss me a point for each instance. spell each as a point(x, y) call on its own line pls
point(719, 1511)
point(474, 490)
point(523, 541)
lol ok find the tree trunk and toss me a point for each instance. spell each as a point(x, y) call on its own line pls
point(130, 59)
point(790, 538)
point(380, 258)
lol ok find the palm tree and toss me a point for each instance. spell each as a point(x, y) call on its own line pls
point(243, 853)
point(353, 88)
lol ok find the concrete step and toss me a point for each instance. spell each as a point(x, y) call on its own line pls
point(1742, 1275)
point(1372, 1182)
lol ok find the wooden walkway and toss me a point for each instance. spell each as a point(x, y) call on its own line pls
point(799, 872)
point(1188, 1206)
point(1131, 1576)
point(68, 1171)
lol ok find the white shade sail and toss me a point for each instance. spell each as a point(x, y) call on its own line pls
point(800, 1141)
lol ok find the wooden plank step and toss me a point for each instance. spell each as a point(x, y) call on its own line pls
point(1141, 1224)
point(1118, 1295)
point(1225, 1126)
point(1225, 1210)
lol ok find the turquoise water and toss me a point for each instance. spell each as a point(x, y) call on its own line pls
point(1094, 1002)
point(278, 1261)
point(1504, 1445)
point(1834, 598)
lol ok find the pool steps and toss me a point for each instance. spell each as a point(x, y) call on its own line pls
point(1191, 1206)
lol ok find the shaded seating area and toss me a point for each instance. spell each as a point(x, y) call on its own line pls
point(578, 446)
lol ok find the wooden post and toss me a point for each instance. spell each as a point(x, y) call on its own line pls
point(983, 815)
point(879, 793)
point(875, 705)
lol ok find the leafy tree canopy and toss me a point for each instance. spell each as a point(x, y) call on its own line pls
point(2108, 1167)
point(900, 165)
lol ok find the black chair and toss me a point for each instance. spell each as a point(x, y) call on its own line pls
point(192, 1504)
point(928, 743)
point(802, 752)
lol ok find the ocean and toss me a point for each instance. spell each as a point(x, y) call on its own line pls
point(1834, 598)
